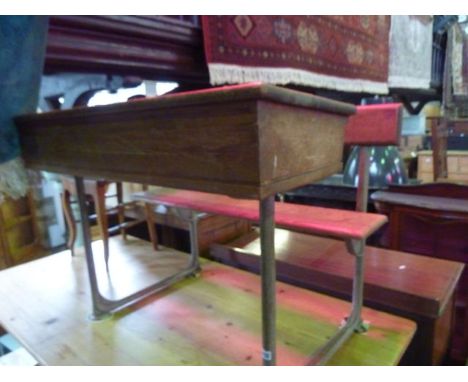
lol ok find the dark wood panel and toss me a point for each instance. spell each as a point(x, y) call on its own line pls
point(437, 228)
point(152, 47)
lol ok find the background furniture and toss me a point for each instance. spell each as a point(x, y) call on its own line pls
point(457, 166)
point(172, 231)
point(96, 190)
point(454, 99)
point(19, 234)
point(419, 288)
point(170, 48)
point(432, 220)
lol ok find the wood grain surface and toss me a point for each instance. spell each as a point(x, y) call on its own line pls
point(408, 282)
point(210, 320)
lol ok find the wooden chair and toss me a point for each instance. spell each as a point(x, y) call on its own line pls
point(96, 191)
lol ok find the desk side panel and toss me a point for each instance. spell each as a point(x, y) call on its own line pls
point(199, 147)
point(298, 145)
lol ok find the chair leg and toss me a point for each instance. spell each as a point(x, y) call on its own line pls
point(100, 202)
point(150, 221)
point(121, 210)
point(70, 220)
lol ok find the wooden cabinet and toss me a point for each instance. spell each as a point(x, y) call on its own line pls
point(432, 220)
point(19, 235)
point(457, 166)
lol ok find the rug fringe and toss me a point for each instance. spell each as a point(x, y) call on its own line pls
point(225, 73)
point(408, 82)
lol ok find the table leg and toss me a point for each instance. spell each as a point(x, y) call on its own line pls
point(150, 223)
point(101, 215)
point(268, 274)
point(69, 218)
point(194, 247)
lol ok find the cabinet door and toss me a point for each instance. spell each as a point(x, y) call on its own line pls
point(19, 236)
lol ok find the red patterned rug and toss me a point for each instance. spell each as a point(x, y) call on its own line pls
point(347, 53)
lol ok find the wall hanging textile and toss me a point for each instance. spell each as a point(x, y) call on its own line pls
point(410, 52)
point(459, 36)
point(346, 53)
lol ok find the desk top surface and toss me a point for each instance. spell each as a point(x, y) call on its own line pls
point(212, 320)
point(212, 96)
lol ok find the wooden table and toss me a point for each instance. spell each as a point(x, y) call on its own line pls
point(416, 287)
point(212, 320)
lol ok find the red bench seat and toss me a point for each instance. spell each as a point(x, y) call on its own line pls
point(308, 219)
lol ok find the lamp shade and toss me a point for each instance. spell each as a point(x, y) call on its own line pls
point(385, 167)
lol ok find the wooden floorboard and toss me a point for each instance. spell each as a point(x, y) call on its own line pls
point(210, 320)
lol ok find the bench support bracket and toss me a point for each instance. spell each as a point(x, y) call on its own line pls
point(354, 323)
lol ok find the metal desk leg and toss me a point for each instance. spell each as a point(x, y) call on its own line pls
point(268, 274)
point(95, 295)
point(102, 306)
point(355, 247)
point(353, 322)
point(193, 230)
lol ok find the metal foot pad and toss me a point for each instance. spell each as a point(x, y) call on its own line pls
point(361, 327)
point(99, 317)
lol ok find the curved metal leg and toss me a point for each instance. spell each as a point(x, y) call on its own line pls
point(102, 306)
point(354, 322)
